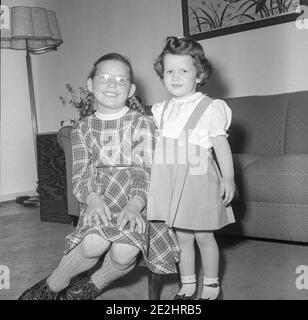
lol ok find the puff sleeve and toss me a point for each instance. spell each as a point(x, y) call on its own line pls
point(219, 118)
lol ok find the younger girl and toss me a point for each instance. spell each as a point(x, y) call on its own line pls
point(112, 155)
point(187, 190)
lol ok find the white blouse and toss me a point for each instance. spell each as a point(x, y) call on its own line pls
point(215, 120)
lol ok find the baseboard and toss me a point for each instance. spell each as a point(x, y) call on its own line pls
point(13, 196)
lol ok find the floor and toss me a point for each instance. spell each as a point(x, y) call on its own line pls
point(252, 269)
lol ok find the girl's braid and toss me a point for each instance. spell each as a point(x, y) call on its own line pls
point(134, 103)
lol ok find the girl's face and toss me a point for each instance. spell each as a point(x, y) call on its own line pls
point(111, 86)
point(180, 75)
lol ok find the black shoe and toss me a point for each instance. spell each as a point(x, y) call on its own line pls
point(40, 291)
point(83, 289)
point(185, 297)
point(214, 285)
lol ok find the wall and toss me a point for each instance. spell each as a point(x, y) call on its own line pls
point(262, 61)
point(135, 28)
point(266, 61)
point(17, 161)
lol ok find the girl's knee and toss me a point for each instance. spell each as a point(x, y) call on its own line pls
point(204, 237)
point(185, 237)
point(93, 246)
point(123, 254)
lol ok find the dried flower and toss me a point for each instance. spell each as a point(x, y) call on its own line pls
point(82, 100)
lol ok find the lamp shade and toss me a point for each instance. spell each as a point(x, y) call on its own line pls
point(31, 28)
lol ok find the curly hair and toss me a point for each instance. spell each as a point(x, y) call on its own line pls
point(185, 46)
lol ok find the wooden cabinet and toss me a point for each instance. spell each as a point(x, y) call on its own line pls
point(52, 179)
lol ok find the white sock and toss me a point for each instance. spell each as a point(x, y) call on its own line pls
point(210, 288)
point(188, 285)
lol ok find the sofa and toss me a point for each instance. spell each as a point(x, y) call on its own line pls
point(269, 143)
point(64, 141)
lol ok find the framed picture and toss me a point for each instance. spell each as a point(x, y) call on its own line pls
point(204, 19)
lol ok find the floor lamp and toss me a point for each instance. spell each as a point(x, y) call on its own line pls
point(35, 30)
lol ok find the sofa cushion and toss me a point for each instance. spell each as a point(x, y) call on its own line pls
point(282, 180)
point(296, 135)
point(258, 124)
point(64, 141)
point(242, 160)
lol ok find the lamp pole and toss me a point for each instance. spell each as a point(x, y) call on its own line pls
point(32, 102)
point(34, 200)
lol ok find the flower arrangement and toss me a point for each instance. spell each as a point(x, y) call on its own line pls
point(82, 100)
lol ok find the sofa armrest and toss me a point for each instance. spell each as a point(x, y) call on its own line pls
point(64, 141)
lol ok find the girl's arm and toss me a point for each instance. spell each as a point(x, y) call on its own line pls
point(85, 187)
point(142, 157)
point(225, 161)
point(84, 172)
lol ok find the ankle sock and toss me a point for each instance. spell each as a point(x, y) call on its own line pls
point(108, 273)
point(211, 288)
point(189, 284)
point(71, 264)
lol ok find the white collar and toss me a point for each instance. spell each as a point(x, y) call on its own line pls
point(187, 99)
point(112, 116)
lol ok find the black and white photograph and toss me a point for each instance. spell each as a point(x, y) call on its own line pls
point(153, 152)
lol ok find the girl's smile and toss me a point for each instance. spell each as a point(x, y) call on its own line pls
point(111, 86)
point(110, 94)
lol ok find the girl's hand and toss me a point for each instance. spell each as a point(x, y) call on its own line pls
point(227, 190)
point(98, 211)
point(131, 214)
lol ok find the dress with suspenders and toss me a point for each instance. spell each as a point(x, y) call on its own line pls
point(182, 193)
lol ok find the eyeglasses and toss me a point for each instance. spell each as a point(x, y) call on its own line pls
point(106, 77)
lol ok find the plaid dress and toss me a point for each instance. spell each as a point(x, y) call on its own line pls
point(113, 158)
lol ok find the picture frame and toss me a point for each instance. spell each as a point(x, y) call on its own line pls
point(203, 19)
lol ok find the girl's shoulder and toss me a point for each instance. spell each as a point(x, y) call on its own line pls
point(218, 112)
point(219, 105)
point(156, 107)
point(139, 119)
point(85, 121)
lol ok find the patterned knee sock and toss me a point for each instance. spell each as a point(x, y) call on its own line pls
point(108, 273)
point(210, 288)
point(71, 264)
point(188, 285)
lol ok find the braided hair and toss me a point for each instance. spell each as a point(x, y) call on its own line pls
point(135, 103)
